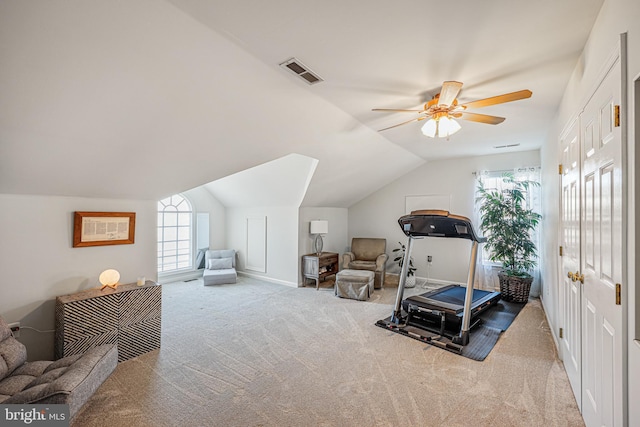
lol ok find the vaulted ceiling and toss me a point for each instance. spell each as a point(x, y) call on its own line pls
point(146, 98)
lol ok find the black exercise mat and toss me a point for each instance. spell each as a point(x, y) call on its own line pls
point(482, 338)
point(495, 321)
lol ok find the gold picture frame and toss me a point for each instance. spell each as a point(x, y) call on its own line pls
point(103, 228)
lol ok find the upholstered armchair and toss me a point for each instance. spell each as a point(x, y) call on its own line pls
point(367, 254)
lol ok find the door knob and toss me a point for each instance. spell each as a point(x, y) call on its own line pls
point(576, 276)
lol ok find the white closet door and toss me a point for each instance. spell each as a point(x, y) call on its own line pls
point(570, 291)
point(602, 252)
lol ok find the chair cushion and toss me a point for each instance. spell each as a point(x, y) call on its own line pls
point(219, 277)
point(12, 352)
point(224, 253)
point(362, 265)
point(368, 249)
point(219, 263)
point(22, 378)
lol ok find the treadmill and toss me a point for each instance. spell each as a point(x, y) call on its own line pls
point(444, 316)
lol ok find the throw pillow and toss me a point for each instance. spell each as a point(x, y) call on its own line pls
point(219, 263)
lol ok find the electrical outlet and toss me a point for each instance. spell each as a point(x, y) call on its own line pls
point(429, 259)
point(15, 329)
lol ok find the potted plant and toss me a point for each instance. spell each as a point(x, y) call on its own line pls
point(411, 278)
point(508, 224)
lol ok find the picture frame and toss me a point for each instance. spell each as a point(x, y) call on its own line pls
point(103, 228)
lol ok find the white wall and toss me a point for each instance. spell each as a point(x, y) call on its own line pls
point(377, 215)
point(282, 241)
point(616, 16)
point(38, 262)
point(336, 240)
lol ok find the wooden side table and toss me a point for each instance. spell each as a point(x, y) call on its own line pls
point(319, 267)
point(129, 315)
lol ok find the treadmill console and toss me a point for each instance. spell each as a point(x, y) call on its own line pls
point(436, 223)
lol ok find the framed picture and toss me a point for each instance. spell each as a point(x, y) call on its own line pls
point(103, 228)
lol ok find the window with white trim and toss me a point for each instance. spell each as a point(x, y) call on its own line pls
point(175, 234)
point(487, 270)
point(494, 180)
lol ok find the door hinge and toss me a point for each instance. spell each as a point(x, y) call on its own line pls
point(618, 294)
point(560, 169)
point(561, 332)
point(616, 116)
point(561, 251)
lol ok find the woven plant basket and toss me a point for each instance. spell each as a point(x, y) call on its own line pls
point(410, 282)
point(515, 289)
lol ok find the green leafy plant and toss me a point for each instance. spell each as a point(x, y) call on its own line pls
point(400, 259)
point(508, 224)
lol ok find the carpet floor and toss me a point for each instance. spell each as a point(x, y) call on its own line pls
point(261, 354)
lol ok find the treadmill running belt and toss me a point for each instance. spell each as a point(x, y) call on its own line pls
point(451, 300)
point(455, 295)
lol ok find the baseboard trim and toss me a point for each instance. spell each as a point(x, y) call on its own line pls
point(180, 277)
point(268, 279)
point(438, 281)
point(552, 328)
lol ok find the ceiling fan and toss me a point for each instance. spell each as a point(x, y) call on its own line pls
point(443, 109)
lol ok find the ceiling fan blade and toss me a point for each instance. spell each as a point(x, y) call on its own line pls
point(481, 118)
point(396, 110)
point(417, 119)
point(449, 92)
point(507, 97)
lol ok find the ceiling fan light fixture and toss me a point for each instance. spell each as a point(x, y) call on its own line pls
point(440, 127)
point(430, 128)
point(440, 112)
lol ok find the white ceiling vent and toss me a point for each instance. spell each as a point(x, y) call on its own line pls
point(505, 146)
point(301, 70)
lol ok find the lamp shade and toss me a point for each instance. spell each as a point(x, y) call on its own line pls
point(109, 278)
point(319, 227)
point(440, 127)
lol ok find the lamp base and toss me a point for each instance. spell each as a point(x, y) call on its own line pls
point(318, 243)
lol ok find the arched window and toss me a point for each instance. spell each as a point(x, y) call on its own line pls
point(175, 218)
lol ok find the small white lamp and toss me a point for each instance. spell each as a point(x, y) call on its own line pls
point(109, 279)
point(318, 227)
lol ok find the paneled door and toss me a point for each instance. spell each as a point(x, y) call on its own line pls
point(570, 291)
point(602, 252)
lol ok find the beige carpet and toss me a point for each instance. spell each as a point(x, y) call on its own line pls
point(261, 354)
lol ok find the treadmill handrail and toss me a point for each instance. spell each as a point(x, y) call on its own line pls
point(438, 223)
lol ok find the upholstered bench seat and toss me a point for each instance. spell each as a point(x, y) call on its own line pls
point(71, 380)
point(354, 284)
